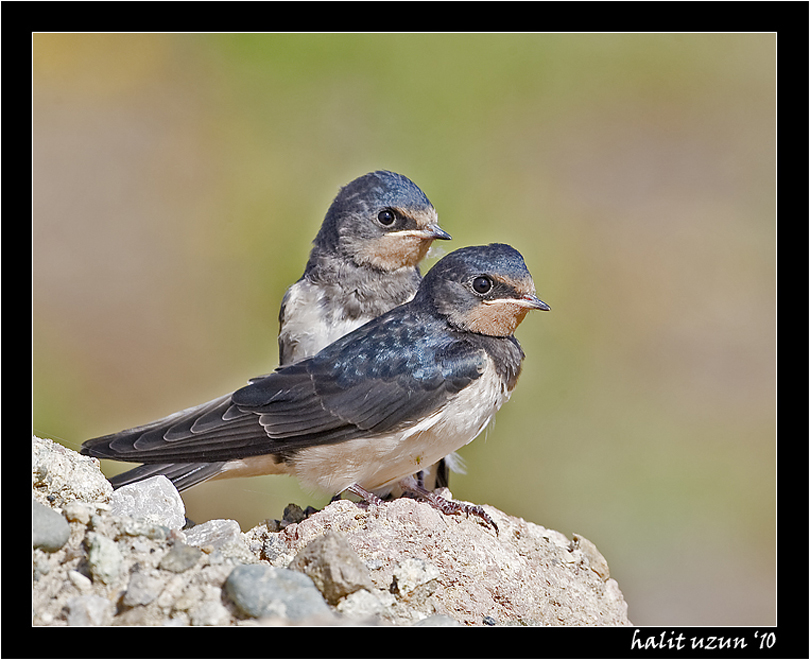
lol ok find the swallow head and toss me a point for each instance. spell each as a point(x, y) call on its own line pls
point(485, 289)
point(380, 220)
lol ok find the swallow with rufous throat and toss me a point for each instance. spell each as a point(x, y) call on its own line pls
point(364, 414)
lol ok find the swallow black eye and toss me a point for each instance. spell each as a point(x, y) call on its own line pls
point(386, 217)
point(482, 285)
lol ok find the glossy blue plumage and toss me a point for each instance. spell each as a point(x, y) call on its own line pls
point(388, 376)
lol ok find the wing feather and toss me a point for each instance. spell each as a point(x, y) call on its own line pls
point(382, 377)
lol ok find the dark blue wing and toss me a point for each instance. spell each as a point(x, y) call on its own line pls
point(386, 375)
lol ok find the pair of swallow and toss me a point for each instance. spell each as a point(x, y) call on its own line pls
point(382, 373)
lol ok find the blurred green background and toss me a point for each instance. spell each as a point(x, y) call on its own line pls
point(179, 180)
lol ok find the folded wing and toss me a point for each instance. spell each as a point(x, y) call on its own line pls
point(384, 376)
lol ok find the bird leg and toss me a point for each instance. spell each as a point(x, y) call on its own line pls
point(410, 485)
point(368, 496)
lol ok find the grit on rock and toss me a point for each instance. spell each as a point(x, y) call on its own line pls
point(121, 558)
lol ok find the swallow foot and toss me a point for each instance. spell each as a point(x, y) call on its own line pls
point(367, 496)
point(448, 507)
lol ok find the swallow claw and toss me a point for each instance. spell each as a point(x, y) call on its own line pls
point(448, 507)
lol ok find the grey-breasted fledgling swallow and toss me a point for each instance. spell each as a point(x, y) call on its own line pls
point(364, 262)
point(368, 411)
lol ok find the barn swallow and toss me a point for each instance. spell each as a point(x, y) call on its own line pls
point(364, 262)
point(371, 409)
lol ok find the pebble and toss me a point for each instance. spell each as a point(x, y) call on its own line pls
point(103, 558)
point(154, 500)
point(180, 558)
point(438, 620)
point(77, 511)
point(276, 552)
point(210, 613)
point(79, 580)
point(215, 535)
point(415, 579)
point(334, 567)
point(142, 589)
point(363, 604)
point(49, 530)
point(89, 611)
point(259, 590)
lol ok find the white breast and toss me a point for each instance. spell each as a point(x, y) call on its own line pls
point(308, 325)
point(378, 463)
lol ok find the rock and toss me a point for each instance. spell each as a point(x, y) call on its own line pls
point(364, 604)
point(180, 558)
point(142, 589)
point(89, 611)
point(60, 475)
point(591, 555)
point(153, 501)
point(414, 579)
point(209, 613)
point(438, 620)
point(224, 536)
point(49, 530)
point(261, 591)
point(103, 558)
point(333, 566)
point(77, 512)
point(80, 581)
point(526, 575)
point(293, 514)
point(401, 563)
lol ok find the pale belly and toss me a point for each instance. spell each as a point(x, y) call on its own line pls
point(377, 464)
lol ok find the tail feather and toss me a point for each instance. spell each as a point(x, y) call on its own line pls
point(182, 475)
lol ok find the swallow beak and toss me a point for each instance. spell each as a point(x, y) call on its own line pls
point(431, 232)
point(529, 301)
point(533, 302)
point(437, 233)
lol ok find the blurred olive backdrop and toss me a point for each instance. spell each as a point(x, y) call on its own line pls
point(179, 180)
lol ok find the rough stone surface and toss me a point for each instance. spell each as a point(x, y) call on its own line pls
point(154, 500)
point(399, 563)
point(526, 574)
point(60, 475)
point(333, 566)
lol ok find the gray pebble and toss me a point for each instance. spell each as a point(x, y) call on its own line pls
point(293, 514)
point(180, 558)
point(142, 589)
point(259, 590)
point(49, 530)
